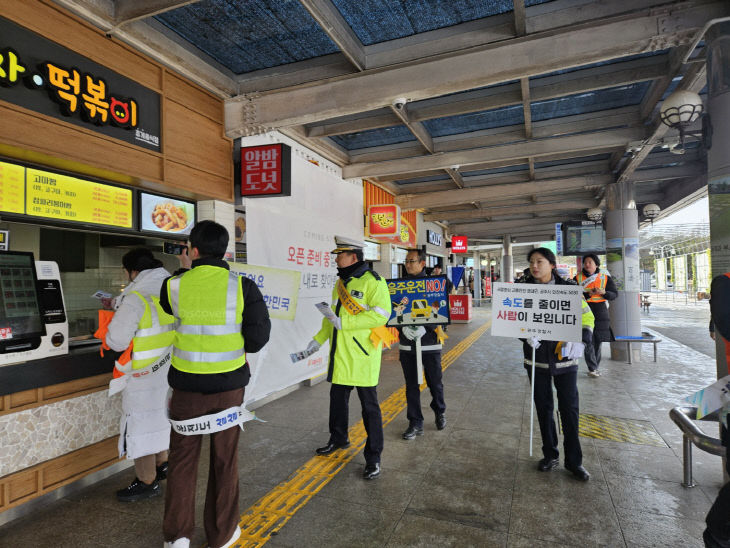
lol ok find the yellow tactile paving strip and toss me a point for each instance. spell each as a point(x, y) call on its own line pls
point(271, 512)
point(616, 429)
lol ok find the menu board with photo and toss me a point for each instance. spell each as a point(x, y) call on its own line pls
point(164, 214)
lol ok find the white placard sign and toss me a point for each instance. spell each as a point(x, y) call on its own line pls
point(548, 312)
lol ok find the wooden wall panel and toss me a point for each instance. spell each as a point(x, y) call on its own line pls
point(186, 178)
point(195, 140)
point(64, 28)
point(20, 399)
point(188, 94)
point(25, 129)
point(38, 480)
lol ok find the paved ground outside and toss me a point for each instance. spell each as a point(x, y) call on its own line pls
point(472, 484)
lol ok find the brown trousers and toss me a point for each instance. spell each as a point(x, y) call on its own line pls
point(221, 515)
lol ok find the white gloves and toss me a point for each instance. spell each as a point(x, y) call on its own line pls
point(573, 350)
point(534, 342)
point(313, 346)
point(337, 322)
point(412, 332)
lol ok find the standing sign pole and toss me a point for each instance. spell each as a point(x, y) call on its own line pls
point(532, 397)
point(419, 361)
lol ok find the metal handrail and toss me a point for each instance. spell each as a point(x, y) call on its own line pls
point(682, 416)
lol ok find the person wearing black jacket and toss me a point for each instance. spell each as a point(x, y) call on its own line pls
point(717, 533)
point(599, 288)
point(207, 378)
point(431, 358)
point(560, 370)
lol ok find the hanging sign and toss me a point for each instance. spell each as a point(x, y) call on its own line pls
point(384, 221)
point(266, 170)
point(45, 77)
point(459, 244)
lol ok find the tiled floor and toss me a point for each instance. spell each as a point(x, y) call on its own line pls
point(473, 484)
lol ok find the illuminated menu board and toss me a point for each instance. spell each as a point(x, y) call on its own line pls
point(61, 197)
point(12, 188)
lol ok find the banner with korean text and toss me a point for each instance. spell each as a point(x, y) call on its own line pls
point(297, 233)
point(546, 311)
point(279, 287)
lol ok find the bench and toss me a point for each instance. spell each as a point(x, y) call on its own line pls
point(645, 338)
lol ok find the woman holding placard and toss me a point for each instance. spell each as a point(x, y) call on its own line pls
point(556, 362)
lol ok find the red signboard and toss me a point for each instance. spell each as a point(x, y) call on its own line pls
point(384, 220)
point(488, 285)
point(266, 170)
point(458, 244)
point(460, 308)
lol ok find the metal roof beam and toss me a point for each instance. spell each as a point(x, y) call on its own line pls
point(499, 154)
point(601, 40)
point(328, 17)
point(126, 11)
point(521, 225)
point(499, 191)
point(567, 203)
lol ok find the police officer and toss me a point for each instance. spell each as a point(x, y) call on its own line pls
point(220, 316)
point(361, 305)
point(431, 358)
point(598, 288)
point(556, 362)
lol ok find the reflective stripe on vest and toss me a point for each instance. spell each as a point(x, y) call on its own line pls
point(155, 333)
point(600, 283)
point(208, 337)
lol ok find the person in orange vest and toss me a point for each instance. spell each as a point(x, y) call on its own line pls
point(597, 289)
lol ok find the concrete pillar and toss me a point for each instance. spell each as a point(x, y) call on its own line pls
point(477, 278)
point(717, 41)
point(622, 257)
point(508, 271)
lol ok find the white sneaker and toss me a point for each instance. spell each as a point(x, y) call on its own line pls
point(595, 373)
point(182, 542)
point(236, 535)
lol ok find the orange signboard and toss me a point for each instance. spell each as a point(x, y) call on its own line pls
point(384, 221)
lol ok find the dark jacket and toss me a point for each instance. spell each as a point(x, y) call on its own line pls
point(255, 328)
point(602, 331)
point(720, 305)
point(546, 351)
point(428, 340)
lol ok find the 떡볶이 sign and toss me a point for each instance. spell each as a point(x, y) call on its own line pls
point(548, 312)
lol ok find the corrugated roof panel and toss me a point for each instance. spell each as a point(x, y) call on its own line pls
point(493, 171)
point(582, 103)
point(247, 35)
point(442, 177)
point(374, 138)
point(475, 121)
point(602, 63)
point(567, 161)
point(375, 21)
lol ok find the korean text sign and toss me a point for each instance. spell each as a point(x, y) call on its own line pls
point(45, 77)
point(266, 170)
point(459, 244)
point(279, 287)
point(418, 301)
point(548, 312)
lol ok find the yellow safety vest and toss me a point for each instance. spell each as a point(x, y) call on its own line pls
point(207, 301)
point(155, 333)
point(599, 283)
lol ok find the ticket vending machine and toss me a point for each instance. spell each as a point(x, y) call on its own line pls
point(33, 323)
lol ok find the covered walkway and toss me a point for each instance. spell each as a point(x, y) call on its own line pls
point(473, 484)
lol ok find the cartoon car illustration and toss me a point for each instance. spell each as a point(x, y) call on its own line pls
point(420, 309)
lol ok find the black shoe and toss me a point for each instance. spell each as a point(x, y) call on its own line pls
point(579, 472)
point(138, 490)
point(327, 449)
point(547, 464)
point(441, 421)
point(161, 472)
point(371, 471)
point(412, 432)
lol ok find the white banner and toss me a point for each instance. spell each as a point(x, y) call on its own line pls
point(711, 398)
point(297, 233)
point(548, 312)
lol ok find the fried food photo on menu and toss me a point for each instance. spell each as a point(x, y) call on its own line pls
point(167, 216)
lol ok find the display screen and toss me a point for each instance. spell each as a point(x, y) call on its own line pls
point(50, 195)
point(584, 239)
point(166, 215)
point(20, 317)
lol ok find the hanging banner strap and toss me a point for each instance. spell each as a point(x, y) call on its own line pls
point(215, 422)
